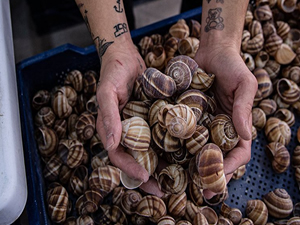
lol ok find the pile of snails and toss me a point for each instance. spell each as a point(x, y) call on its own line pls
point(171, 117)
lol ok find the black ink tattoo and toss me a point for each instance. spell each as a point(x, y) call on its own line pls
point(214, 20)
point(118, 8)
point(120, 28)
point(86, 20)
point(102, 47)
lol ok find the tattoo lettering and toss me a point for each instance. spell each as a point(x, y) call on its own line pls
point(214, 20)
point(118, 8)
point(102, 47)
point(120, 28)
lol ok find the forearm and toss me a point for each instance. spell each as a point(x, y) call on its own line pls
point(106, 21)
point(223, 22)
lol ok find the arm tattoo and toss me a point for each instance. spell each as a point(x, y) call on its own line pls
point(101, 46)
point(118, 8)
point(214, 21)
point(120, 29)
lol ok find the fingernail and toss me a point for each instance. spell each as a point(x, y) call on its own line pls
point(109, 141)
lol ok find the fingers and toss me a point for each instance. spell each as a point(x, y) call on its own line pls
point(109, 124)
point(242, 107)
point(127, 164)
point(151, 187)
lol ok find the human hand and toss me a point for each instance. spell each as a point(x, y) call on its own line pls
point(119, 68)
point(234, 89)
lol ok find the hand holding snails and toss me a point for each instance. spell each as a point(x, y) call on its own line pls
point(234, 89)
point(119, 69)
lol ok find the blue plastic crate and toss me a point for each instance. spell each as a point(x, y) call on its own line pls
point(48, 69)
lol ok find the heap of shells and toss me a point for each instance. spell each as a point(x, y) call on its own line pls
point(171, 117)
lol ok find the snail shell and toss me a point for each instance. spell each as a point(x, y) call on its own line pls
point(58, 201)
point(79, 180)
point(248, 17)
point(296, 157)
point(165, 220)
point(177, 204)
point(296, 210)
point(233, 214)
point(80, 106)
point(117, 195)
point(156, 57)
point(171, 46)
point(154, 110)
point(195, 28)
point(89, 202)
point(195, 194)
point(181, 74)
point(272, 44)
point(181, 157)
point(282, 29)
point(47, 141)
point(180, 29)
point(151, 206)
point(209, 162)
point(60, 127)
point(210, 214)
point(180, 121)
point(294, 220)
point(193, 172)
point(261, 59)
point(146, 44)
point(157, 39)
point(164, 140)
point(198, 140)
point(173, 179)
point(90, 82)
point(112, 215)
point(135, 134)
point(85, 126)
point(279, 155)
point(239, 172)
point(101, 159)
point(292, 73)
point(253, 39)
point(273, 68)
point(285, 54)
point(74, 78)
point(72, 120)
point(136, 108)
point(63, 100)
point(96, 145)
point(268, 105)
point(286, 116)
point(287, 6)
point(138, 91)
point(257, 211)
point(223, 133)
point(52, 168)
point(196, 100)
point(71, 152)
point(85, 219)
point(277, 130)
point(288, 90)
point(201, 80)
point(224, 221)
point(45, 116)
point(281, 104)
point(129, 201)
point(188, 46)
point(264, 82)
point(200, 219)
point(246, 221)
point(192, 64)
point(158, 85)
point(65, 174)
point(217, 199)
point(263, 13)
point(253, 132)
point(104, 179)
point(279, 203)
point(40, 99)
point(91, 105)
point(249, 60)
point(259, 118)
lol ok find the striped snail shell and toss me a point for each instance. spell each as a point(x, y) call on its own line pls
point(202, 80)
point(180, 29)
point(181, 74)
point(47, 141)
point(85, 126)
point(279, 203)
point(45, 116)
point(223, 133)
point(288, 90)
point(90, 82)
point(158, 85)
point(277, 130)
point(279, 155)
point(257, 211)
point(74, 78)
point(88, 202)
point(40, 99)
point(78, 182)
point(136, 134)
point(209, 162)
point(156, 57)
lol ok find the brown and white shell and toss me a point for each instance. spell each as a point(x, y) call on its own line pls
point(45, 116)
point(279, 156)
point(78, 182)
point(89, 202)
point(257, 211)
point(277, 130)
point(40, 99)
point(47, 141)
point(85, 126)
point(288, 90)
point(74, 78)
point(223, 133)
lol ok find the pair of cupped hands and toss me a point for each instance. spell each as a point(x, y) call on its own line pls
point(234, 89)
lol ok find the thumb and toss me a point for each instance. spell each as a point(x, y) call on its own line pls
point(109, 124)
point(242, 111)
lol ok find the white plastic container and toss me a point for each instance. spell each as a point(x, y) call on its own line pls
point(13, 187)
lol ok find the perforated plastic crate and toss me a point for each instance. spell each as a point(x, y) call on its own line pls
point(48, 69)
